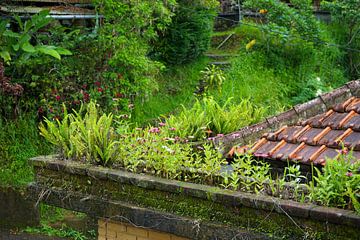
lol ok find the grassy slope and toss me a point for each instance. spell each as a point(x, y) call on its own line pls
point(19, 141)
point(176, 86)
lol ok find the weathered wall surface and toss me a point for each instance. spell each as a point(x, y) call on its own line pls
point(16, 210)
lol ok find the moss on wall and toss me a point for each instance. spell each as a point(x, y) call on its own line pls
point(271, 223)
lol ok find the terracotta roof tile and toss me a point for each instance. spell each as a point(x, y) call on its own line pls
point(316, 139)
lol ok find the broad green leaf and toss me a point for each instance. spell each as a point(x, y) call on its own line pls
point(9, 33)
point(27, 47)
point(16, 47)
point(23, 39)
point(63, 51)
point(5, 55)
point(49, 50)
point(28, 25)
point(18, 19)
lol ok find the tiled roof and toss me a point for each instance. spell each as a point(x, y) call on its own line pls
point(317, 138)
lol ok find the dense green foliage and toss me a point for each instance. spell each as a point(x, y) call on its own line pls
point(19, 141)
point(338, 184)
point(346, 16)
point(284, 21)
point(279, 74)
point(207, 118)
point(176, 85)
point(133, 66)
point(189, 34)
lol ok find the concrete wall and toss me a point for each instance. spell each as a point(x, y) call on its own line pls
point(16, 210)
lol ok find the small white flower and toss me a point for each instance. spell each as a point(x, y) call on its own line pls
point(319, 92)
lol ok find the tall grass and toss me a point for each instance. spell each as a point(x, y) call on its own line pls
point(277, 74)
point(176, 87)
point(19, 141)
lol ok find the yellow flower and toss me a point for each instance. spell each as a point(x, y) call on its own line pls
point(263, 11)
point(250, 44)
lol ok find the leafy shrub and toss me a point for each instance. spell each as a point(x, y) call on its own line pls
point(338, 184)
point(345, 13)
point(109, 65)
point(77, 136)
point(213, 77)
point(21, 47)
point(207, 118)
point(88, 136)
point(248, 174)
point(189, 34)
point(284, 21)
point(19, 141)
point(152, 150)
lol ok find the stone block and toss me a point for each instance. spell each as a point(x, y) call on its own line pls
point(252, 133)
point(354, 87)
point(137, 231)
point(116, 227)
point(337, 96)
point(294, 208)
point(310, 109)
point(158, 236)
point(289, 117)
point(332, 215)
point(125, 236)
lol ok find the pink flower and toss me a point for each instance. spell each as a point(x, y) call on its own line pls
point(349, 174)
point(58, 98)
point(162, 124)
point(154, 130)
point(172, 129)
point(100, 90)
point(343, 151)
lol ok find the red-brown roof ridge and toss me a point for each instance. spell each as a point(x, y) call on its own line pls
point(310, 132)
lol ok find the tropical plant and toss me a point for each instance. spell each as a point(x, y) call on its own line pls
point(21, 46)
point(284, 21)
point(338, 183)
point(18, 44)
point(207, 118)
point(189, 34)
point(346, 14)
point(247, 174)
point(213, 77)
point(77, 135)
point(124, 37)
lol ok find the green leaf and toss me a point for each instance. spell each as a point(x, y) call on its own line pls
point(24, 38)
point(18, 19)
point(11, 34)
point(16, 47)
point(27, 47)
point(49, 50)
point(63, 51)
point(5, 55)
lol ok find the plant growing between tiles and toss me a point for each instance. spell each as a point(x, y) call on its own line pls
point(87, 136)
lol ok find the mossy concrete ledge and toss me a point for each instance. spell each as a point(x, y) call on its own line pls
point(185, 209)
